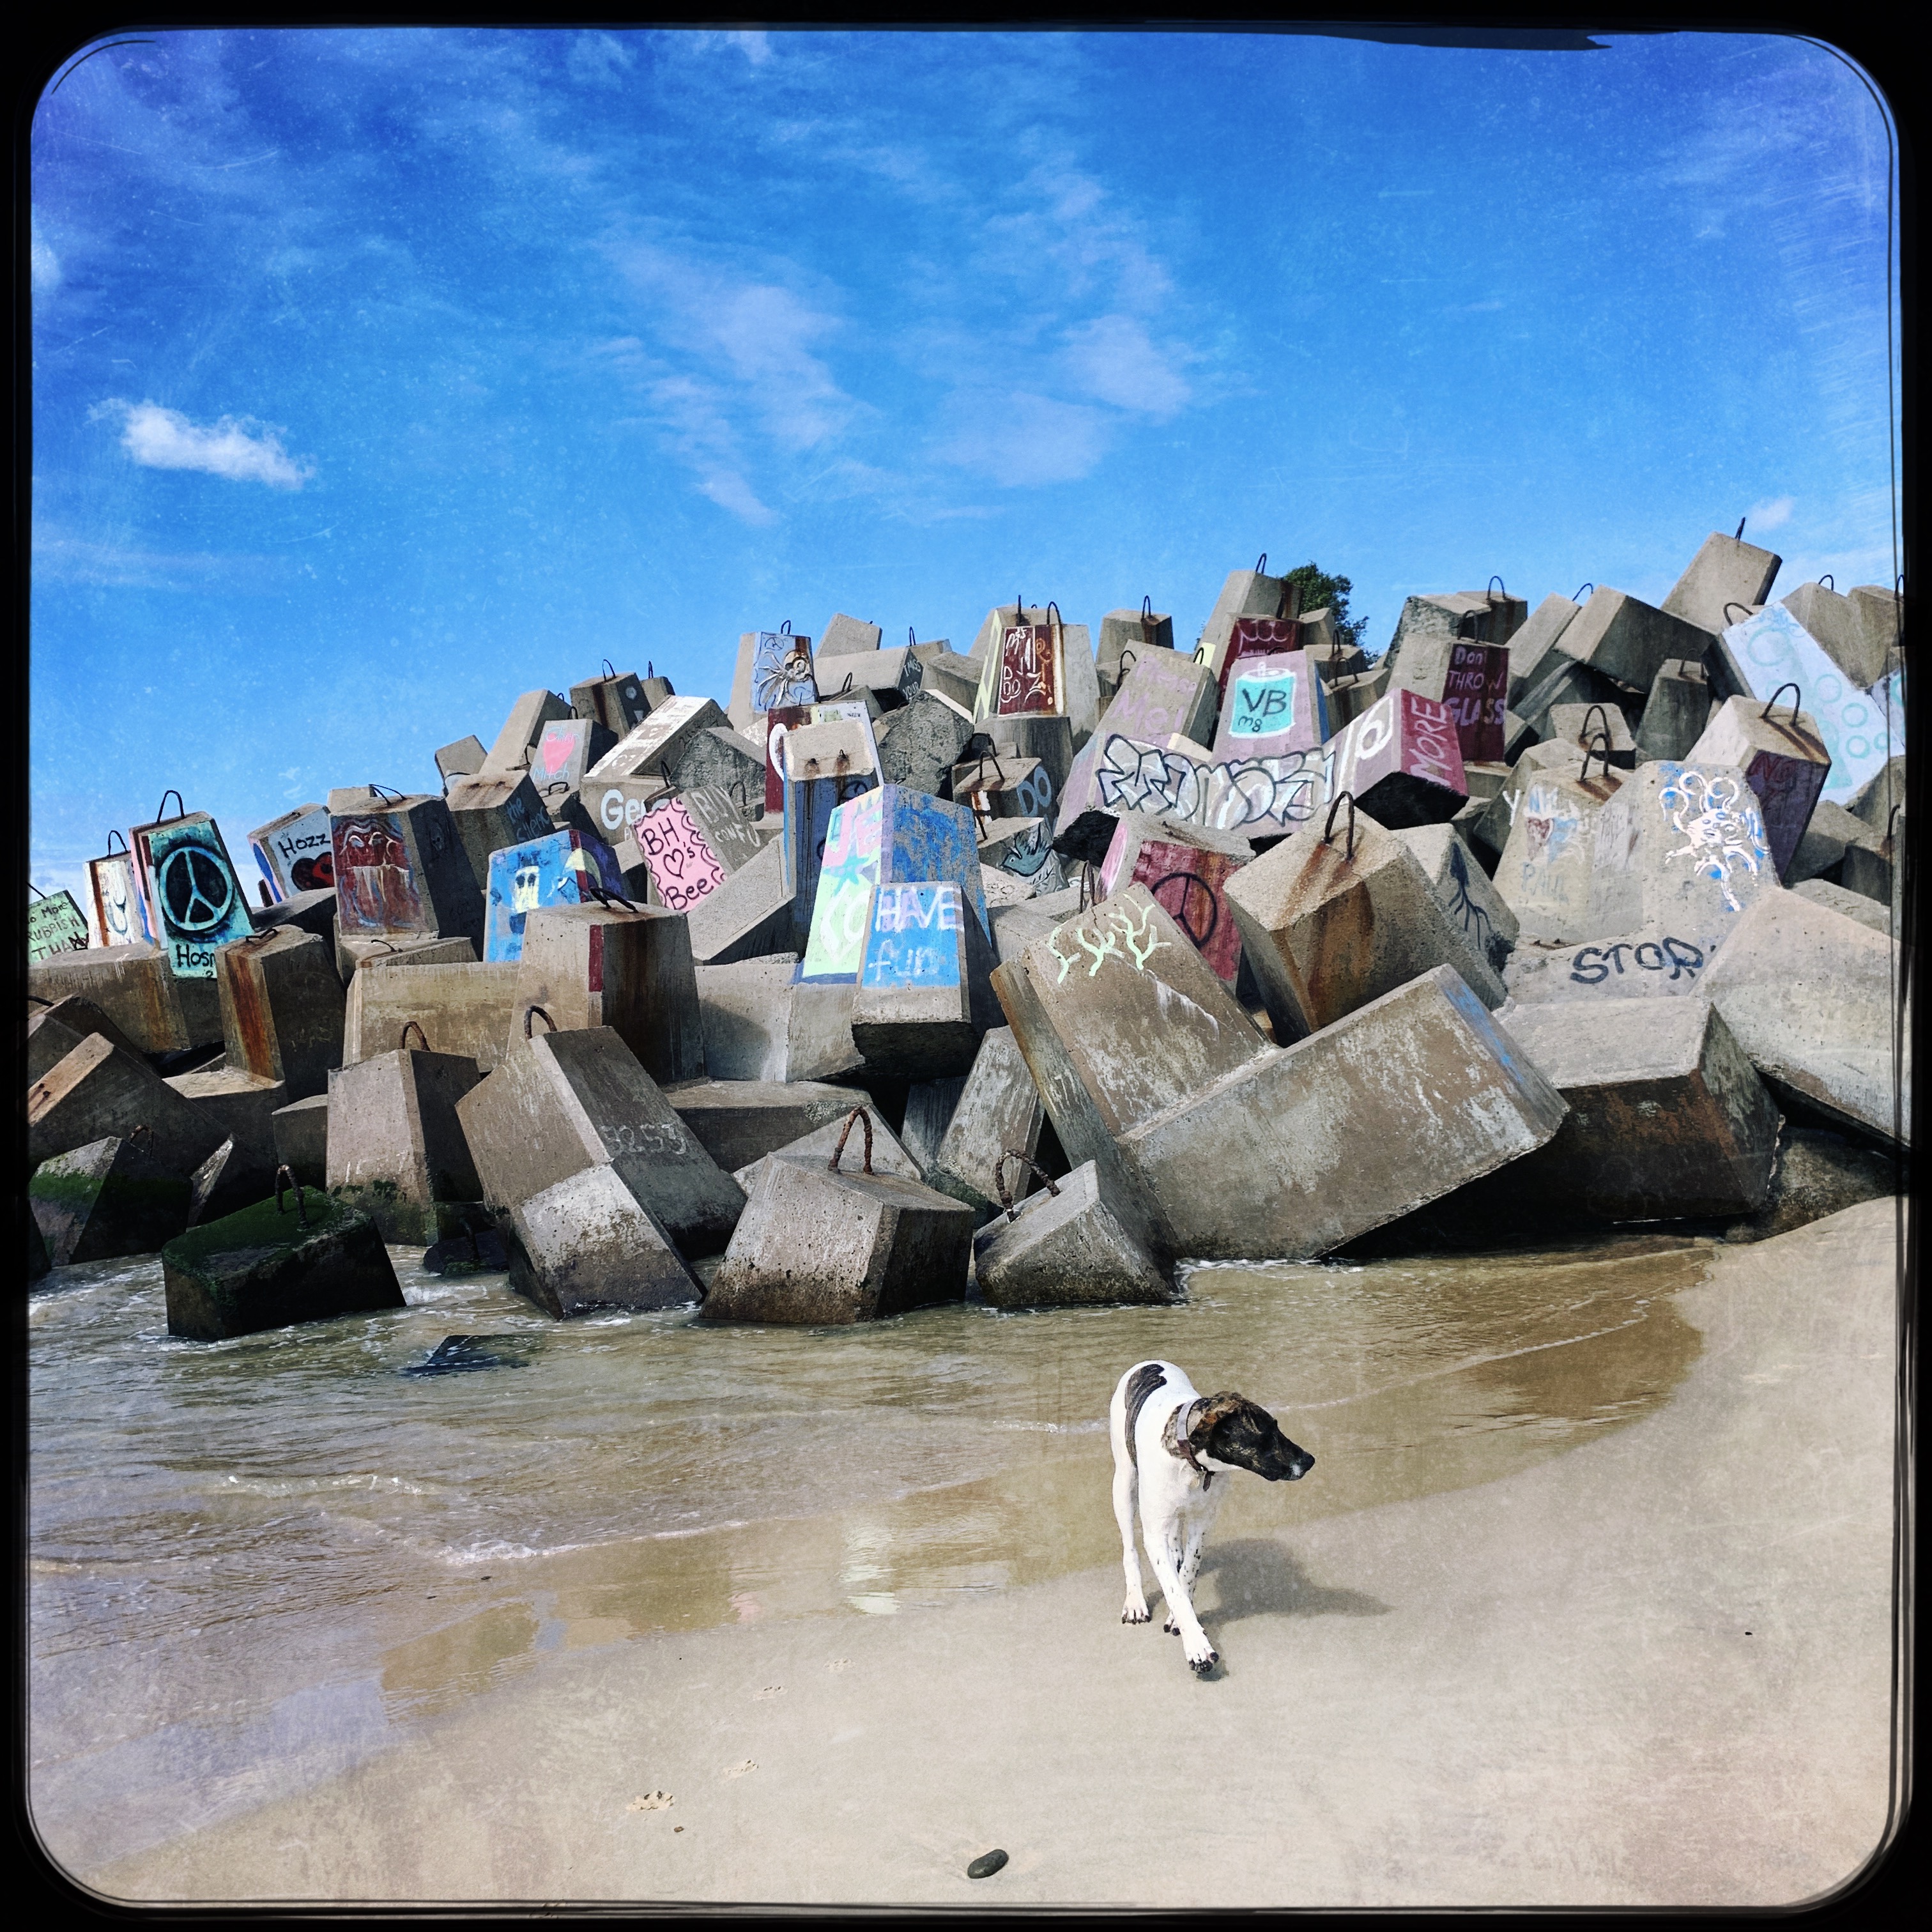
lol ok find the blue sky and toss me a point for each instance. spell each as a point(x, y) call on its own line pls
point(382, 375)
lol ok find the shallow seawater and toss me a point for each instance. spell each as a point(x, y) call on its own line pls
point(253, 1561)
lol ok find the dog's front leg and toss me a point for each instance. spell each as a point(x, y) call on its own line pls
point(1189, 1567)
point(1126, 1498)
point(1167, 1561)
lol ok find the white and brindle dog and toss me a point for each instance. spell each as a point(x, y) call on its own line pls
point(1170, 1445)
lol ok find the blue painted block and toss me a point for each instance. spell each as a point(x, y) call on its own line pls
point(545, 872)
point(917, 936)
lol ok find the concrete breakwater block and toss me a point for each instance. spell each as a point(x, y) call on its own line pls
point(1340, 913)
point(890, 1154)
point(998, 1109)
point(751, 915)
point(240, 1105)
point(492, 810)
point(510, 751)
point(396, 1148)
point(1303, 1148)
point(561, 1102)
point(1868, 912)
point(1681, 846)
point(655, 743)
point(737, 1121)
point(921, 1002)
point(1529, 647)
point(1547, 871)
point(1667, 1117)
point(1118, 1018)
point(459, 760)
point(263, 1268)
point(1579, 724)
point(920, 744)
point(1726, 571)
point(1462, 888)
point(1784, 762)
point(1818, 1173)
point(828, 1242)
point(400, 869)
point(351, 955)
point(1676, 712)
point(463, 1007)
point(1632, 965)
point(282, 1007)
point(593, 966)
point(1811, 996)
point(1628, 640)
point(99, 1090)
point(1068, 1247)
point(587, 1243)
point(301, 1132)
point(54, 1030)
point(152, 1009)
point(108, 1198)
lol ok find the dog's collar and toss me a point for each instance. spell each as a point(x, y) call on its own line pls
point(1178, 1425)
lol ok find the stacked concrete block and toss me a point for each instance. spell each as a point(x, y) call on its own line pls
point(654, 745)
point(1274, 703)
point(593, 966)
point(1870, 913)
point(133, 986)
point(1299, 1149)
point(1401, 759)
point(1783, 760)
point(1838, 625)
point(1462, 888)
point(351, 955)
point(1812, 998)
point(1186, 868)
point(1642, 965)
point(947, 673)
point(890, 1155)
point(401, 872)
point(997, 1110)
point(98, 1091)
point(832, 1243)
point(563, 869)
point(1020, 852)
point(565, 752)
point(1547, 871)
point(1563, 681)
point(1873, 801)
point(1676, 711)
point(1581, 725)
point(892, 678)
point(282, 1010)
point(921, 1001)
point(1628, 640)
point(494, 809)
point(1126, 637)
point(1069, 1246)
point(54, 1030)
point(617, 700)
point(921, 743)
point(396, 1147)
point(845, 634)
point(305, 1257)
point(1470, 680)
point(723, 759)
point(1332, 918)
point(1726, 571)
point(522, 728)
point(108, 1198)
point(560, 1102)
point(753, 913)
point(1667, 1117)
point(463, 1007)
point(241, 1106)
point(1881, 613)
point(462, 759)
point(737, 1122)
point(1529, 647)
point(1682, 846)
point(301, 1139)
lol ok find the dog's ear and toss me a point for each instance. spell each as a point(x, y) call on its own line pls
point(1216, 1409)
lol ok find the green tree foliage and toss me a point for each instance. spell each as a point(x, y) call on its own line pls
point(1320, 591)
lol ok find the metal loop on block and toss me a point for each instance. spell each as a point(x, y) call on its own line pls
point(1740, 537)
point(383, 791)
point(650, 667)
point(282, 1186)
point(1500, 585)
point(1732, 604)
point(609, 669)
point(865, 1120)
point(171, 793)
point(1328, 830)
point(112, 836)
point(1128, 656)
point(1596, 746)
point(530, 1013)
point(1892, 822)
point(1146, 614)
point(1261, 564)
point(38, 1001)
point(38, 891)
point(1580, 588)
point(412, 1027)
point(1000, 1178)
point(784, 629)
point(844, 688)
point(602, 894)
point(1830, 582)
point(1054, 619)
point(1791, 686)
point(388, 943)
point(1087, 899)
point(912, 638)
point(1596, 711)
point(556, 784)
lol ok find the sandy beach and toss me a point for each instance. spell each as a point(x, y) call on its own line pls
point(1654, 1670)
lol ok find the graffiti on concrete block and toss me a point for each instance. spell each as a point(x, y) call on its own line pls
point(375, 884)
point(55, 924)
point(908, 944)
point(1279, 792)
point(198, 902)
point(1114, 932)
point(1717, 818)
point(683, 867)
point(782, 672)
point(1591, 964)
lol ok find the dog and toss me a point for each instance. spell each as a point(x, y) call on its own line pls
point(1170, 1444)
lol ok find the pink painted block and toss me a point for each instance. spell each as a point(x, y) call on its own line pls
point(683, 867)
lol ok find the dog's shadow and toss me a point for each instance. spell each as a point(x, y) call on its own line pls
point(1256, 1577)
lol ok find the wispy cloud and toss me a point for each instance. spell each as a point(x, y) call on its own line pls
point(238, 448)
point(60, 557)
point(1112, 359)
point(1770, 516)
point(754, 44)
point(598, 60)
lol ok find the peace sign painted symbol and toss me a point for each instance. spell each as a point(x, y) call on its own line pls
point(197, 889)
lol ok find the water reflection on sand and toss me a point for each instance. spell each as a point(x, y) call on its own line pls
point(217, 1526)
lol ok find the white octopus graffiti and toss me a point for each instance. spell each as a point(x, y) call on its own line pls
point(1717, 818)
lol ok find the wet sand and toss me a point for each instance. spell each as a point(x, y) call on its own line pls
point(1652, 1669)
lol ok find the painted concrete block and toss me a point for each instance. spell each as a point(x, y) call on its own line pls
point(1274, 704)
point(1633, 965)
point(781, 673)
point(1783, 760)
point(295, 852)
point(537, 875)
point(116, 908)
point(1301, 1149)
point(534, 709)
point(1547, 871)
point(401, 870)
point(492, 811)
point(1186, 868)
point(649, 747)
point(1463, 890)
point(159, 1012)
point(922, 1000)
point(196, 902)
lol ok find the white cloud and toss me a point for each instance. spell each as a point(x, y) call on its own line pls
point(45, 264)
point(599, 60)
point(1769, 516)
point(1022, 438)
point(238, 448)
point(754, 44)
point(1112, 359)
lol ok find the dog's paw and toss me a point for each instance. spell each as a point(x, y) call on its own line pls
point(1170, 1628)
point(1135, 1612)
point(1204, 1663)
